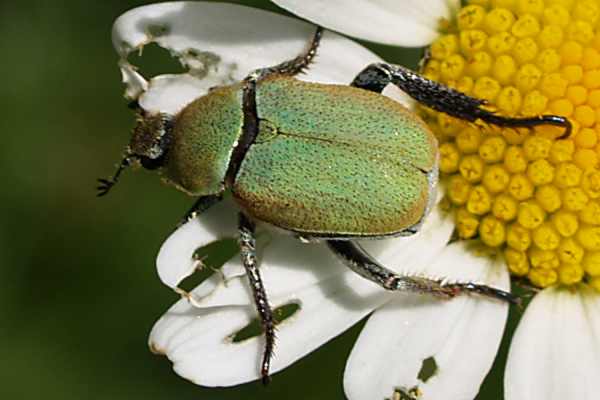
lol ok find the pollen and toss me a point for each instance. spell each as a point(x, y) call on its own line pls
point(531, 193)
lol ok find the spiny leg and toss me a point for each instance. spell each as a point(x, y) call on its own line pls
point(248, 252)
point(296, 65)
point(445, 99)
point(363, 264)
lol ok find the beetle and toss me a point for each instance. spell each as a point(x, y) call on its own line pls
point(324, 162)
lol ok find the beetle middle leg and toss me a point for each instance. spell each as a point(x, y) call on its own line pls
point(445, 99)
point(363, 264)
point(247, 243)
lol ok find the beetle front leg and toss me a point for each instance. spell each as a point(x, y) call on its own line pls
point(247, 243)
point(445, 99)
point(202, 204)
point(363, 264)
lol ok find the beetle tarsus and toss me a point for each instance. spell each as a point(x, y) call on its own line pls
point(104, 185)
point(297, 64)
point(445, 99)
point(247, 244)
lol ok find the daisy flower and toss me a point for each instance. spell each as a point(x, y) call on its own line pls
point(532, 195)
point(201, 334)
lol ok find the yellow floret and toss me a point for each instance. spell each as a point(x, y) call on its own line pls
point(551, 36)
point(572, 73)
point(545, 237)
point(518, 237)
point(590, 213)
point(491, 231)
point(480, 201)
point(514, 159)
point(567, 175)
point(543, 258)
point(479, 64)
point(471, 168)
point(540, 172)
point(591, 263)
point(444, 47)
point(449, 157)
point(526, 25)
point(525, 50)
point(574, 199)
point(565, 222)
point(509, 100)
point(556, 14)
point(590, 183)
point(589, 237)
point(536, 147)
point(517, 261)
point(492, 149)
point(542, 277)
point(586, 10)
point(458, 190)
point(548, 197)
point(527, 77)
point(504, 208)
point(569, 274)
point(570, 252)
point(466, 224)
point(586, 138)
point(470, 17)
point(495, 179)
point(501, 43)
point(529, 191)
point(530, 215)
point(472, 41)
point(468, 140)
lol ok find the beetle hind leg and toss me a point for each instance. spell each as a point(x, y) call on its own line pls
point(445, 99)
point(298, 64)
point(363, 264)
point(247, 242)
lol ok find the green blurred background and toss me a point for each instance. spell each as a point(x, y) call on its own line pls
point(78, 288)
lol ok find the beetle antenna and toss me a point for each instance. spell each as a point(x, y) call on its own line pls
point(104, 185)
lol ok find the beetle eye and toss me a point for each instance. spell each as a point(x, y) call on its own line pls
point(151, 163)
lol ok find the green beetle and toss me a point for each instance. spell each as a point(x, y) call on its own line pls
point(324, 162)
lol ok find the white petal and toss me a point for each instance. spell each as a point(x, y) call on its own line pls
point(221, 43)
point(332, 298)
point(175, 259)
point(462, 335)
point(555, 352)
point(411, 23)
point(198, 341)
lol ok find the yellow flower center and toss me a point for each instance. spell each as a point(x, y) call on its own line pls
point(526, 192)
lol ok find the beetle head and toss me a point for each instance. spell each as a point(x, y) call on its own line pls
point(149, 145)
point(150, 139)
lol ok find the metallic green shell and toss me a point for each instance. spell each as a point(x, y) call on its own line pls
point(204, 135)
point(334, 160)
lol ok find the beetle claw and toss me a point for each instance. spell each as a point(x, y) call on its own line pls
point(104, 186)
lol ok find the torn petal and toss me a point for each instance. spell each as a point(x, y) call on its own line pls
point(135, 83)
point(199, 341)
point(411, 23)
point(175, 259)
point(220, 44)
point(462, 336)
